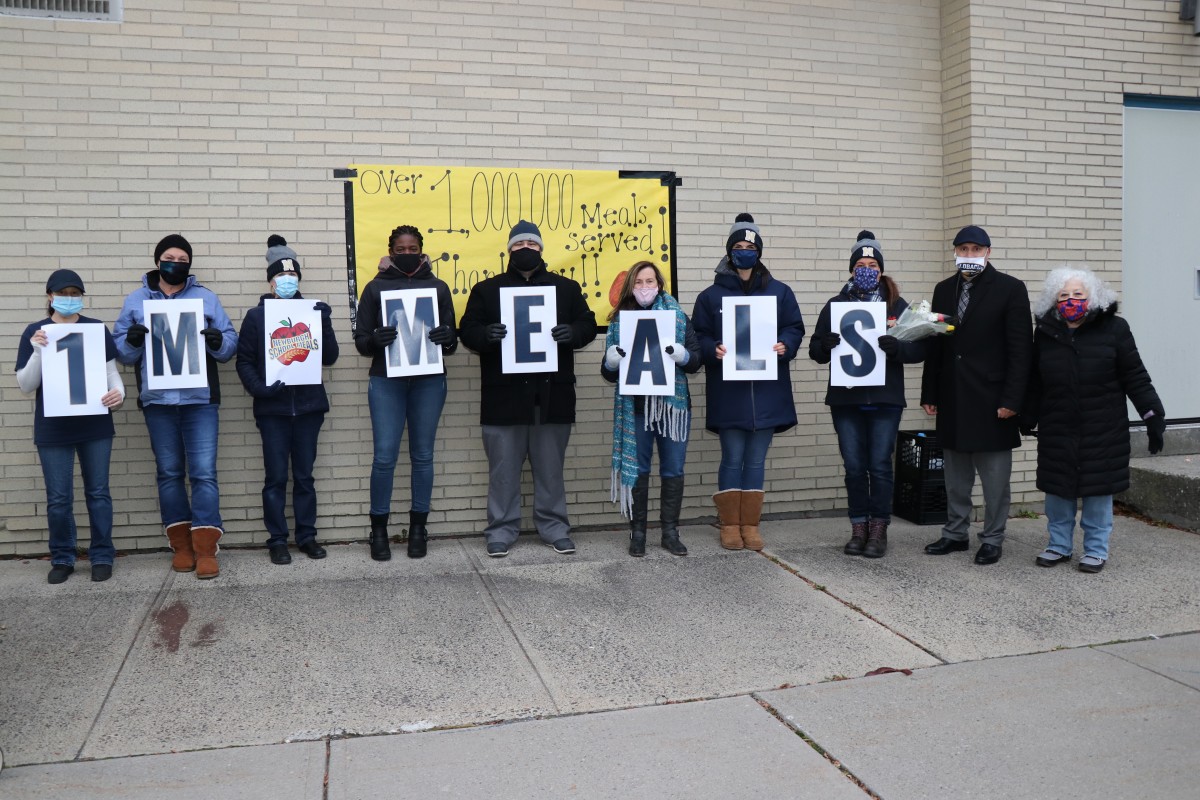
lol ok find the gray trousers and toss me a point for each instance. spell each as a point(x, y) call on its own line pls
point(507, 447)
point(995, 472)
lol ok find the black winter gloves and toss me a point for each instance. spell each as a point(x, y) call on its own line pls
point(1156, 426)
point(561, 333)
point(889, 345)
point(442, 335)
point(136, 335)
point(212, 338)
point(383, 336)
point(496, 331)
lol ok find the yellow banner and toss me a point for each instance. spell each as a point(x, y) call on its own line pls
point(594, 224)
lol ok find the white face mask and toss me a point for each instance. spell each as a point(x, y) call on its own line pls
point(970, 265)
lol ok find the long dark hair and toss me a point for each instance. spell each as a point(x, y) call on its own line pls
point(626, 301)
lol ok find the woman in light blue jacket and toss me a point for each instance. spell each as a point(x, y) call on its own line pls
point(182, 422)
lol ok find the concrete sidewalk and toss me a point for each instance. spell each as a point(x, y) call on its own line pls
point(723, 674)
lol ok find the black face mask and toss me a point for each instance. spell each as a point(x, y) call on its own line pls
point(174, 272)
point(408, 263)
point(525, 260)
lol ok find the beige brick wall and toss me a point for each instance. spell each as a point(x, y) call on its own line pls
point(223, 120)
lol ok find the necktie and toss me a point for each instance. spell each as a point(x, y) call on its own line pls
point(963, 297)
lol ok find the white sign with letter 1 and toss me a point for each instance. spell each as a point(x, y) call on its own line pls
point(858, 361)
point(292, 332)
point(413, 313)
point(175, 355)
point(528, 314)
point(74, 370)
point(749, 331)
point(646, 368)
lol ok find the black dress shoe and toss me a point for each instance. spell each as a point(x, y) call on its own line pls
point(311, 549)
point(944, 545)
point(279, 554)
point(988, 554)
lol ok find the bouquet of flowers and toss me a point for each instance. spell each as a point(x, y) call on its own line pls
point(918, 322)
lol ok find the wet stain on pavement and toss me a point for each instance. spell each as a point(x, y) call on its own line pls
point(170, 621)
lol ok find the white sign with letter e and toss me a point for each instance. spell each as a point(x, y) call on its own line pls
point(174, 347)
point(858, 361)
point(646, 368)
point(292, 330)
point(413, 313)
point(528, 314)
point(74, 370)
point(749, 331)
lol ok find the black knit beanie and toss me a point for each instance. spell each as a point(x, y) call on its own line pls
point(744, 230)
point(280, 257)
point(169, 241)
point(867, 246)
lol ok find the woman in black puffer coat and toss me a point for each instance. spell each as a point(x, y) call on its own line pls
point(1085, 364)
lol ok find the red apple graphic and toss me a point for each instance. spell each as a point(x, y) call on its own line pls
point(287, 331)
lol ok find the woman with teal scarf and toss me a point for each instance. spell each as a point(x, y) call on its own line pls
point(639, 422)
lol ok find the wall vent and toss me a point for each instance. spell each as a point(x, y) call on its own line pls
point(99, 10)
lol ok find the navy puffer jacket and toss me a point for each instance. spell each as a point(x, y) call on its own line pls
point(748, 405)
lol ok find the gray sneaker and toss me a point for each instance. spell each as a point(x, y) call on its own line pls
point(1091, 564)
point(564, 546)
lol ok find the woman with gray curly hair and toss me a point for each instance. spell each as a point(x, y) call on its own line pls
point(1085, 364)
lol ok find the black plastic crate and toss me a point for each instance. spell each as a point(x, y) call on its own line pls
point(919, 493)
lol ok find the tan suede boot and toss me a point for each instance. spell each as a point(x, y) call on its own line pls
point(180, 537)
point(752, 502)
point(204, 540)
point(728, 510)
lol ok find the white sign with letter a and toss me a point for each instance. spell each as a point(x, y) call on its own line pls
point(749, 331)
point(74, 371)
point(646, 368)
point(528, 314)
point(413, 313)
point(174, 347)
point(858, 361)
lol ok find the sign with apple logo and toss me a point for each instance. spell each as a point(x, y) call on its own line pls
point(293, 331)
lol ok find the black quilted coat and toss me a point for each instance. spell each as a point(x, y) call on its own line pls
point(1076, 399)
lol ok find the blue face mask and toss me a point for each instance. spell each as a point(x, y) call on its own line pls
point(743, 259)
point(286, 286)
point(67, 306)
point(866, 279)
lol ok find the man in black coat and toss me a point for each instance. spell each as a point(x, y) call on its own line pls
point(974, 381)
point(526, 415)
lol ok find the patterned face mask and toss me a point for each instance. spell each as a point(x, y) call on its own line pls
point(866, 278)
point(1073, 309)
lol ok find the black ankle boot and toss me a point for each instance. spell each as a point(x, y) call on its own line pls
point(637, 521)
point(417, 535)
point(381, 549)
point(672, 500)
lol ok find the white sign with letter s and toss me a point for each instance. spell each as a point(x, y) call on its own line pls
point(858, 361)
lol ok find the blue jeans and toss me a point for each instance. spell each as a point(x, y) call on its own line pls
point(671, 454)
point(867, 440)
point(184, 440)
point(58, 469)
point(294, 439)
point(1096, 521)
point(393, 402)
point(743, 458)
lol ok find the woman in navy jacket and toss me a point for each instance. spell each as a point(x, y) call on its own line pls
point(867, 418)
point(746, 414)
point(289, 418)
